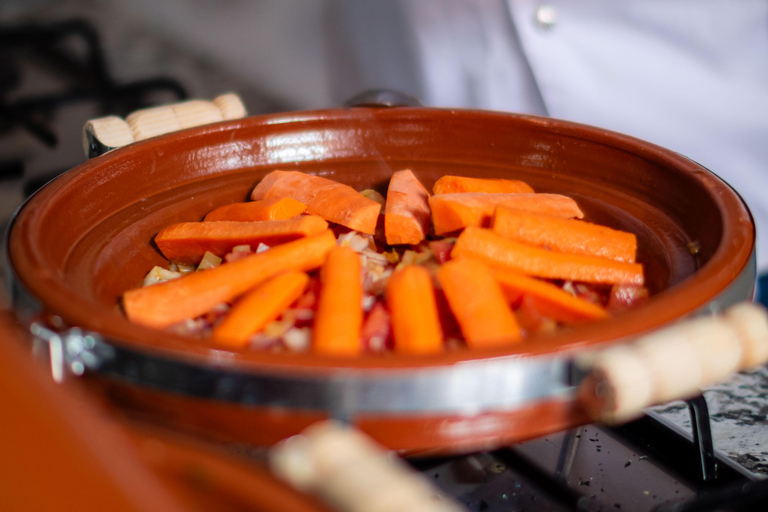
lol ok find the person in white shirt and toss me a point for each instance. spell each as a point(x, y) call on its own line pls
point(689, 75)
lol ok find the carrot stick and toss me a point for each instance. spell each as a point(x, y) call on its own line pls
point(330, 200)
point(548, 299)
point(487, 246)
point(193, 294)
point(406, 217)
point(259, 307)
point(415, 322)
point(451, 212)
point(339, 314)
point(459, 184)
point(268, 209)
point(187, 242)
point(564, 235)
point(478, 304)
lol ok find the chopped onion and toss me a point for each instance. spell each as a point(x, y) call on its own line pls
point(569, 287)
point(182, 268)
point(415, 258)
point(297, 338)
point(261, 341)
point(209, 260)
point(160, 275)
point(238, 252)
point(368, 302)
point(373, 195)
point(354, 241)
point(189, 327)
point(375, 283)
point(374, 256)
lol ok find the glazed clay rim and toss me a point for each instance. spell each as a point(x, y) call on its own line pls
point(726, 264)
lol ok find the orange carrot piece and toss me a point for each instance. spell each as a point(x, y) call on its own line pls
point(564, 235)
point(486, 245)
point(460, 184)
point(478, 304)
point(549, 300)
point(258, 307)
point(164, 304)
point(451, 212)
point(268, 209)
point(339, 316)
point(406, 217)
point(187, 242)
point(335, 202)
point(415, 322)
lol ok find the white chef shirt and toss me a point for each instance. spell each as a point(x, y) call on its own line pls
point(689, 75)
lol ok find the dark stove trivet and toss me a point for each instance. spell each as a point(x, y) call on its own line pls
point(647, 465)
point(88, 74)
point(85, 74)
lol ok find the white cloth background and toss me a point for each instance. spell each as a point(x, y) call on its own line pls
point(690, 75)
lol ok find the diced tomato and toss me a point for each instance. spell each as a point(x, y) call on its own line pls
point(625, 296)
point(308, 299)
point(527, 315)
point(376, 333)
point(441, 250)
point(448, 322)
point(530, 319)
point(216, 314)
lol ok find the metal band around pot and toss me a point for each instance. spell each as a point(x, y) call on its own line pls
point(464, 388)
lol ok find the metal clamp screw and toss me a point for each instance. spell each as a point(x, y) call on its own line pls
point(72, 350)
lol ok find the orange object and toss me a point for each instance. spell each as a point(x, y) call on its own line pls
point(406, 217)
point(549, 300)
point(339, 316)
point(330, 200)
point(564, 235)
point(61, 451)
point(259, 307)
point(527, 259)
point(460, 184)
point(415, 322)
point(268, 209)
point(188, 242)
point(478, 304)
point(164, 304)
point(451, 212)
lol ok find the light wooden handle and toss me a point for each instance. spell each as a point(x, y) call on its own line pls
point(114, 132)
point(351, 473)
point(673, 363)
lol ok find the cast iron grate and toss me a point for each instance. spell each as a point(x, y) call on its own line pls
point(71, 51)
point(648, 465)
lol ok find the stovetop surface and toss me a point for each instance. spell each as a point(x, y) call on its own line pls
point(647, 465)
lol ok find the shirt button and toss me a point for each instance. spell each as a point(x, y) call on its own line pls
point(546, 17)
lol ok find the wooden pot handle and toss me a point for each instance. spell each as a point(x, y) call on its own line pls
point(351, 473)
point(106, 133)
point(673, 363)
